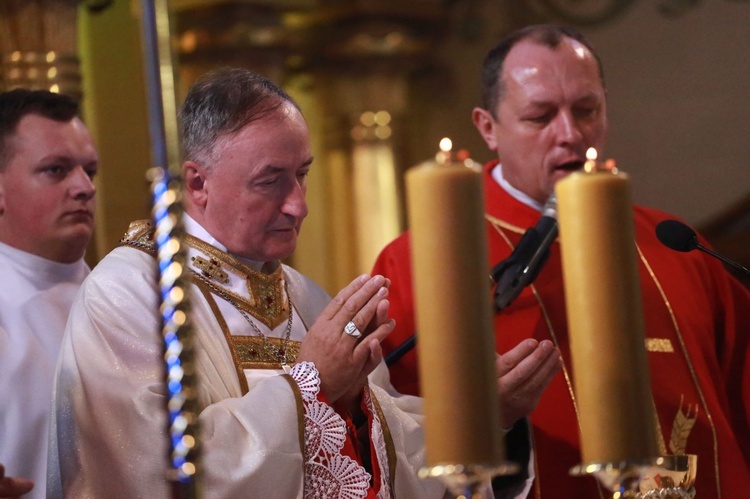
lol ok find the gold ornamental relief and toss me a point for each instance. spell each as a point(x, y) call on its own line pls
point(663, 345)
point(681, 427)
point(264, 296)
point(252, 352)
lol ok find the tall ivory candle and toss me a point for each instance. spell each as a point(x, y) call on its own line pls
point(605, 318)
point(453, 312)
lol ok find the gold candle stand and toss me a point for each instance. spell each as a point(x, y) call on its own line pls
point(630, 479)
point(467, 482)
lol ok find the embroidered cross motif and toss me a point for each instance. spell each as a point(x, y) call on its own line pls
point(211, 268)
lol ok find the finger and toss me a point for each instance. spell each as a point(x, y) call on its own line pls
point(544, 375)
point(378, 335)
point(381, 314)
point(360, 306)
point(361, 297)
point(375, 356)
point(338, 301)
point(13, 487)
point(510, 359)
point(367, 317)
point(523, 371)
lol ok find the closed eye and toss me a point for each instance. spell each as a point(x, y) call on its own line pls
point(55, 170)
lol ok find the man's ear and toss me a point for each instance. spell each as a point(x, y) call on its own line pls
point(196, 186)
point(485, 124)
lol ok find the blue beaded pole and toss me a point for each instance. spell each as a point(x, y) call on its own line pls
point(166, 187)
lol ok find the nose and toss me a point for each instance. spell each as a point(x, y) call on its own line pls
point(567, 128)
point(294, 204)
point(81, 184)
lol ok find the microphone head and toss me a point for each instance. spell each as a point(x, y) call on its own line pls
point(676, 235)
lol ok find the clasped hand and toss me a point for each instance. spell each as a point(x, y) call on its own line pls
point(343, 361)
point(523, 373)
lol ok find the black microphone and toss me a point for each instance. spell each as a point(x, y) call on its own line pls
point(515, 272)
point(677, 236)
point(527, 259)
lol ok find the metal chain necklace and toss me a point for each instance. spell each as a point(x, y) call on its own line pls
point(279, 353)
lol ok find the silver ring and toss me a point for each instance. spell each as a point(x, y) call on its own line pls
point(351, 330)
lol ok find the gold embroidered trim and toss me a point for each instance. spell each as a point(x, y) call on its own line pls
point(657, 427)
point(227, 334)
point(140, 235)
point(497, 224)
point(390, 448)
point(266, 301)
point(659, 345)
point(300, 414)
point(248, 352)
point(252, 354)
point(678, 333)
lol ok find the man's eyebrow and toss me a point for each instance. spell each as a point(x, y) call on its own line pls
point(272, 168)
point(56, 158)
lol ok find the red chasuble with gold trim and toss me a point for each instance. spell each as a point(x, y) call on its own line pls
point(697, 335)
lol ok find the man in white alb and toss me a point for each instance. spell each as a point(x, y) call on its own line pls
point(47, 162)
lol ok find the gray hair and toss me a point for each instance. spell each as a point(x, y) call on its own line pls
point(222, 102)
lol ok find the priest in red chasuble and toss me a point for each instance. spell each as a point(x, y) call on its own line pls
point(544, 105)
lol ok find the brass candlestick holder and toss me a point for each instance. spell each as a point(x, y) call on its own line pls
point(622, 478)
point(467, 481)
point(665, 477)
point(672, 478)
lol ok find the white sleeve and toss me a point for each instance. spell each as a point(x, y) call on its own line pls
point(405, 418)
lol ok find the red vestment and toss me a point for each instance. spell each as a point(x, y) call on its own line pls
point(698, 339)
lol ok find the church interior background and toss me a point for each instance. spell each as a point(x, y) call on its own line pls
point(382, 81)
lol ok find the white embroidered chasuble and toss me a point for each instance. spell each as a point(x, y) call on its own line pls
point(108, 435)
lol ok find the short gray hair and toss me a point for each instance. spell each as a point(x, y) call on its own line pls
point(223, 102)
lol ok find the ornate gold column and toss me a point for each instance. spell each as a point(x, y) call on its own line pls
point(38, 42)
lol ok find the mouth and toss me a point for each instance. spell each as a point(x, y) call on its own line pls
point(86, 214)
point(568, 167)
point(284, 229)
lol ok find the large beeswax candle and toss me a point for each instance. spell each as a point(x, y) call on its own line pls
point(453, 311)
point(605, 318)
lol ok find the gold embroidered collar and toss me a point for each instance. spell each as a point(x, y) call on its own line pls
point(262, 295)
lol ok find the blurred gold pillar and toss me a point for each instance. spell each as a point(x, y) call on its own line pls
point(354, 192)
point(115, 110)
point(38, 44)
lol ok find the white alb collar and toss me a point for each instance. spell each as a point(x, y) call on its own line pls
point(497, 175)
